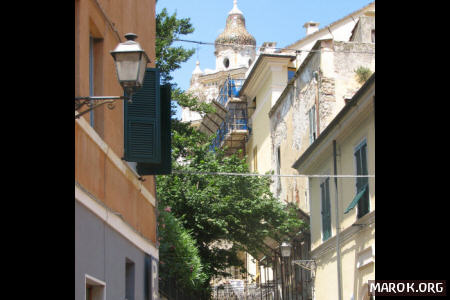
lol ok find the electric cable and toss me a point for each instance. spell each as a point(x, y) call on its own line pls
point(181, 172)
point(258, 47)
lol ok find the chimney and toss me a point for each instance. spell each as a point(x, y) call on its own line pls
point(311, 27)
point(268, 47)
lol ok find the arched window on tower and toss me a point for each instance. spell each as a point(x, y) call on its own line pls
point(226, 62)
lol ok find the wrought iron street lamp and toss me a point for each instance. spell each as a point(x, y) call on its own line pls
point(130, 61)
point(285, 249)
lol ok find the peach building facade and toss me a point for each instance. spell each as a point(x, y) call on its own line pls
point(116, 253)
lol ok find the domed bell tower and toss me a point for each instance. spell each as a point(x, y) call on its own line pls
point(235, 47)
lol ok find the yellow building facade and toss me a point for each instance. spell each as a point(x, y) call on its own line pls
point(264, 84)
point(343, 214)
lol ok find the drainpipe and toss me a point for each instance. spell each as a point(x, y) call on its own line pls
point(338, 229)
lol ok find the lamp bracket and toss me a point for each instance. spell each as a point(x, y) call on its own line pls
point(305, 264)
point(92, 102)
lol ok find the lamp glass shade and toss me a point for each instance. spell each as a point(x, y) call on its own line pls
point(143, 64)
point(127, 67)
point(285, 249)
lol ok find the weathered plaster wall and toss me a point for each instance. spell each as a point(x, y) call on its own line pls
point(363, 32)
point(341, 30)
point(347, 58)
point(290, 131)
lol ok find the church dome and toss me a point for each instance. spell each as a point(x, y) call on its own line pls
point(235, 32)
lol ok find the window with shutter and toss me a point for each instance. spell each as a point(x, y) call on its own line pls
point(362, 182)
point(326, 215)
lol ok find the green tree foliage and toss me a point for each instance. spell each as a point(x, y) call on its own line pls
point(179, 258)
point(239, 210)
point(168, 57)
point(180, 262)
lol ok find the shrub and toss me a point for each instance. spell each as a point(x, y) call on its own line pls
point(363, 74)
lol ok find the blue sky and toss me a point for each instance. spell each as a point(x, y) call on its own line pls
point(267, 20)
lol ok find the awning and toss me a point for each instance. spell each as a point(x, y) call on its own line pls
point(356, 199)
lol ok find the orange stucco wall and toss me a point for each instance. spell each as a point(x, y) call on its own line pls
point(93, 169)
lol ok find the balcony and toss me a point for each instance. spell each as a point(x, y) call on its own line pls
point(234, 130)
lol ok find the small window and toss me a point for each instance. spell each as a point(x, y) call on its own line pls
point(226, 62)
point(291, 73)
point(373, 35)
point(91, 77)
point(326, 215)
point(95, 67)
point(95, 289)
point(129, 279)
point(249, 62)
point(278, 160)
point(312, 124)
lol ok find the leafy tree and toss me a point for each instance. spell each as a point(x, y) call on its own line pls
point(238, 210)
point(168, 57)
point(180, 262)
point(179, 257)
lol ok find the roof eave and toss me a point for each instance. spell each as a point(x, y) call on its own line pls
point(255, 67)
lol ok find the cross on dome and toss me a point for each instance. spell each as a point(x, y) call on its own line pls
point(235, 9)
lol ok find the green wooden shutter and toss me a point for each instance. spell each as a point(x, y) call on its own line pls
point(326, 215)
point(142, 130)
point(361, 182)
point(328, 218)
point(165, 165)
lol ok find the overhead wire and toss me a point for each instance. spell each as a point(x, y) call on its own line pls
point(258, 47)
point(181, 172)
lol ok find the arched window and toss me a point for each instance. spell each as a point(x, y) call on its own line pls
point(226, 62)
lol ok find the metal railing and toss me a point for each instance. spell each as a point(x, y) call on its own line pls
point(264, 291)
point(230, 88)
point(227, 127)
point(236, 118)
